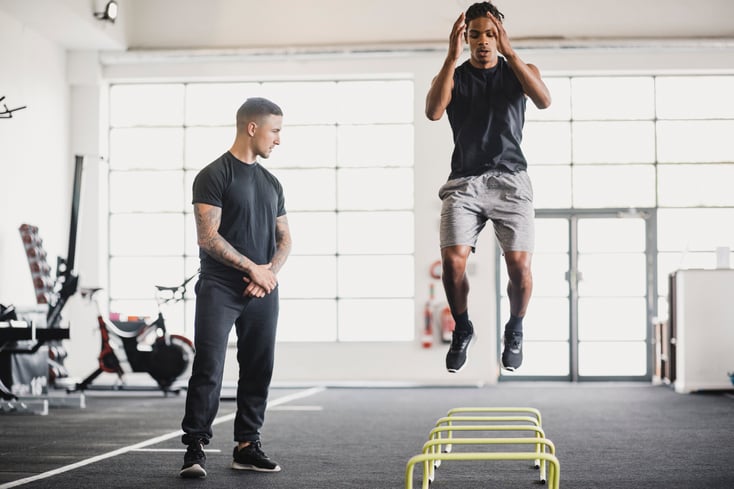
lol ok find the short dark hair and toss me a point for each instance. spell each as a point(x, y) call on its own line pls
point(256, 108)
point(480, 10)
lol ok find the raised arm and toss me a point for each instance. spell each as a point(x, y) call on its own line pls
point(439, 95)
point(527, 74)
point(208, 218)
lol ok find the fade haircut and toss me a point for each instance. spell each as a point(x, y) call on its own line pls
point(480, 10)
point(254, 109)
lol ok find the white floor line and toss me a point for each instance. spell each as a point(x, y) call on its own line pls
point(296, 408)
point(152, 441)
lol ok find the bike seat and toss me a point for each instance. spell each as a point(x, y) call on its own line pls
point(130, 324)
point(89, 291)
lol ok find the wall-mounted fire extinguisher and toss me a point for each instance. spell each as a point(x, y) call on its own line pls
point(427, 337)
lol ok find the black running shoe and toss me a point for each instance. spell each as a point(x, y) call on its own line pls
point(253, 458)
point(512, 354)
point(456, 357)
point(194, 461)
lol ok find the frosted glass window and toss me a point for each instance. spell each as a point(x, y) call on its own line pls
point(147, 105)
point(147, 234)
point(375, 101)
point(695, 97)
point(313, 232)
point(619, 274)
point(305, 147)
point(375, 232)
point(136, 277)
point(367, 276)
point(375, 189)
point(154, 148)
point(308, 189)
point(191, 240)
point(695, 185)
point(610, 98)
point(695, 229)
point(205, 144)
point(376, 320)
point(551, 186)
point(545, 143)
point(612, 358)
point(694, 141)
point(614, 186)
point(560, 108)
point(375, 145)
point(612, 319)
point(304, 102)
point(543, 358)
point(611, 235)
point(346, 165)
point(146, 191)
point(308, 277)
point(216, 104)
point(613, 142)
point(307, 320)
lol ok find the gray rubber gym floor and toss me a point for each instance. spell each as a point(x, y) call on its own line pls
point(606, 434)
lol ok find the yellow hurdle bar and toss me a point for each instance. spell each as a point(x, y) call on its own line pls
point(432, 446)
point(436, 433)
point(554, 470)
point(500, 409)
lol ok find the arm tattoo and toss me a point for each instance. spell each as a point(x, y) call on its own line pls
point(207, 230)
point(283, 243)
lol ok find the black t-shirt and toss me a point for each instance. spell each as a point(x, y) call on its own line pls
point(251, 198)
point(487, 114)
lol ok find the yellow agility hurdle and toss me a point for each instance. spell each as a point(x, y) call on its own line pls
point(434, 446)
point(501, 409)
point(554, 470)
point(449, 420)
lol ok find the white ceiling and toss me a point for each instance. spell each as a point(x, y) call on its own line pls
point(295, 24)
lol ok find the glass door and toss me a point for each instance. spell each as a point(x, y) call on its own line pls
point(593, 297)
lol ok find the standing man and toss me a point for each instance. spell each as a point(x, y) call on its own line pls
point(244, 240)
point(485, 101)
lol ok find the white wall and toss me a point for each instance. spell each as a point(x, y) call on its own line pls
point(36, 166)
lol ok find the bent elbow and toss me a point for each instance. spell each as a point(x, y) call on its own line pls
point(433, 115)
point(543, 103)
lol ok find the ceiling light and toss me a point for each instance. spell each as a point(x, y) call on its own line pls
point(109, 13)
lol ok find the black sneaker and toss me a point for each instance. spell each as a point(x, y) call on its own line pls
point(512, 354)
point(194, 461)
point(456, 357)
point(253, 458)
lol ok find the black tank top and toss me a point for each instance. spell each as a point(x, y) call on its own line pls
point(487, 114)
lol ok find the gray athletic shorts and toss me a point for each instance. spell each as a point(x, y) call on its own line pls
point(502, 197)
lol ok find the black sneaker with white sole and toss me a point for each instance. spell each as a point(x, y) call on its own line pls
point(512, 353)
point(194, 461)
point(457, 355)
point(252, 457)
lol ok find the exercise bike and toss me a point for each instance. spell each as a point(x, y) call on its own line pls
point(145, 346)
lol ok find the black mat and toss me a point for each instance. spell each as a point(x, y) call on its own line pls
point(607, 435)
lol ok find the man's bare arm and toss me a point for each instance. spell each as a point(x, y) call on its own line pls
point(528, 75)
point(439, 95)
point(283, 243)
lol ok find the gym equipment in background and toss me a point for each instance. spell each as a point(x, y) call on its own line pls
point(145, 346)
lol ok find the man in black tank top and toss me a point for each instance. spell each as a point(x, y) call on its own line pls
point(485, 101)
point(244, 240)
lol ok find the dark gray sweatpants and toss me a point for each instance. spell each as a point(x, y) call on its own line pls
point(218, 307)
